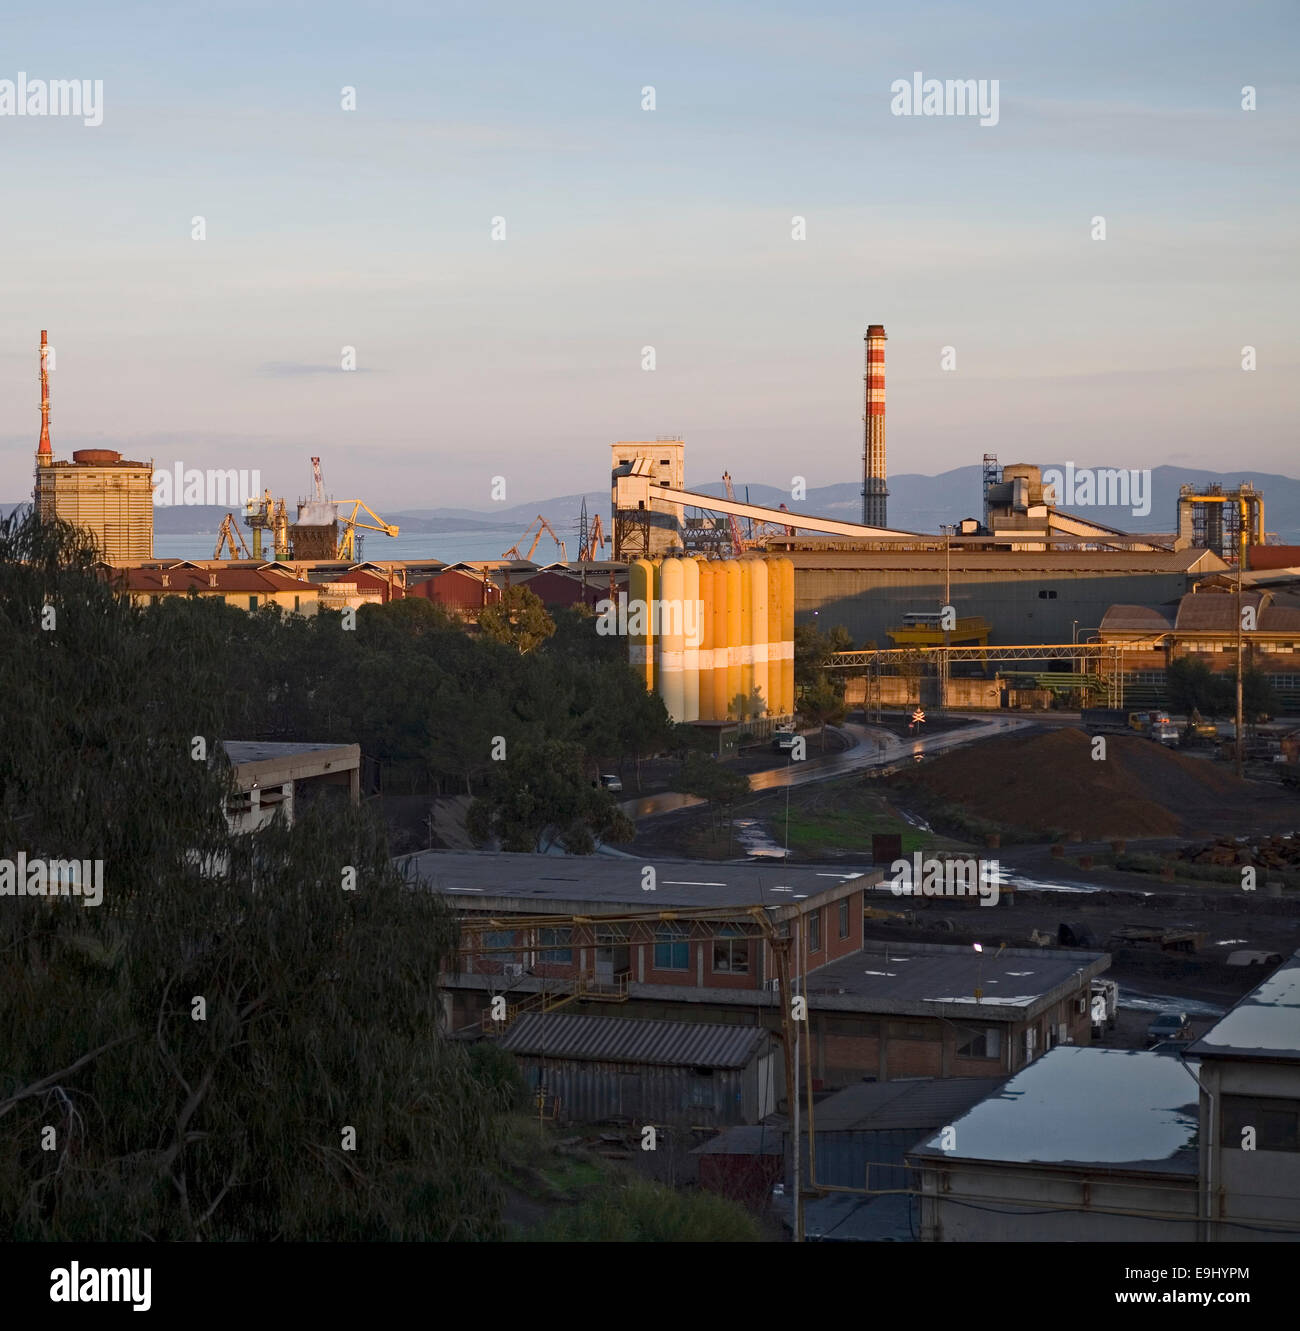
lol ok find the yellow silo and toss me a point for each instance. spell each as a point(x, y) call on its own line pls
point(787, 632)
point(746, 637)
point(640, 632)
point(671, 640)
point(757, 616)
point(718, 618)
point(690, 640)
point(775, 664)
point(708, 573)
point(735, 635)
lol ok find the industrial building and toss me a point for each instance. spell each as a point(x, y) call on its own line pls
point(875, 1009)
point(273, 778)
point(1123, 1146)
point(1204, 625)
point(109, 497)
point(1249, 1143)
point(855, 1181)
point(1084, 1145)
point(685, 1073)
point(1052, 596)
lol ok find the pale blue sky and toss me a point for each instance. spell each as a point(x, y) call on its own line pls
point(668, 228)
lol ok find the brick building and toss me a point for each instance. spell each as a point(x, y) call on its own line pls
point(874, 1010)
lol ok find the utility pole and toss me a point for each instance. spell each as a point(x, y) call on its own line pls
point(789, 1033)
point(1241, 645)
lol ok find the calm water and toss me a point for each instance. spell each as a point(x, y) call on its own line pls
point(486, 544)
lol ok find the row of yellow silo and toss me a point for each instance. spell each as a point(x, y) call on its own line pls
point(714, 638)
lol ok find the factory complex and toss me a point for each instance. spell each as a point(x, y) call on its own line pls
point(708, 589)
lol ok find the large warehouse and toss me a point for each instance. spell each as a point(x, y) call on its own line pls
point(1027, 597)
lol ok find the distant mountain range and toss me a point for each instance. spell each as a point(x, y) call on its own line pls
point(916, 503)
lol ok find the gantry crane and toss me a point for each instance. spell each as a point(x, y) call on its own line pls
point(228, 535)
point(543, 527)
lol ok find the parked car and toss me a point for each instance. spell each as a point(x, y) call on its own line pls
point(783, 740)
point(1168, 1026)
point(609, 781)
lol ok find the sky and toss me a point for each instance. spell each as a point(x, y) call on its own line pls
point(669, 228)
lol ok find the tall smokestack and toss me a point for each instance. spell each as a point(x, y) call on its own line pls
point(874, 492)
point(44, 454)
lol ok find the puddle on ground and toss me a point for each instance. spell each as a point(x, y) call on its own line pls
point(755, 839)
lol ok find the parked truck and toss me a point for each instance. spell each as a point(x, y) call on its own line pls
point(1105, 1001)
point(1116, 721)
point(1105, 721)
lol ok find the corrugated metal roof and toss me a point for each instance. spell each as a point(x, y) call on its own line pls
point(1139, 618)
point(627, 1040)
point(883, 1106)
point(1213, 612)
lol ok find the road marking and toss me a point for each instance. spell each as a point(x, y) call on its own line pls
point(670, 882)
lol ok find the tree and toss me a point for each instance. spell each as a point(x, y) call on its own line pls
point(1191, 686)
point(518, 619)
point(206, 1047)
point(823, 704)
point(705, 778)
point(539, 796)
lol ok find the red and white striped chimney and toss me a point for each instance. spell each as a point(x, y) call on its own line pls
point(874, 492)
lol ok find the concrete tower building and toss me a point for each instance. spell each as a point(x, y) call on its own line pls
point(108, 497)
point(874, 492)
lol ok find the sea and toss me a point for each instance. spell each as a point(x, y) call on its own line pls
point(481, 543)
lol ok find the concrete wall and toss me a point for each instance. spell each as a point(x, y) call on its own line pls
point(974, 1203)
point(869, 602)
point(1259, 1188)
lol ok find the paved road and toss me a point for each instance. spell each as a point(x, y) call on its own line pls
point(872, 746)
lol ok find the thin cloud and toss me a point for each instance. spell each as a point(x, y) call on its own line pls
point(283, 369)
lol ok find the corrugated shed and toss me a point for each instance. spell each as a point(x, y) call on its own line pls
point(591, 1092)
point(624, 1040)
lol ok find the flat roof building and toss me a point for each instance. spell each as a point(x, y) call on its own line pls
point(1083, 1145)
point(875, 1009)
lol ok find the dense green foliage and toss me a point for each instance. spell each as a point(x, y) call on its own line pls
point(640, 1211)
point(820, 690)
point(190, 1058)
point(1191, 685)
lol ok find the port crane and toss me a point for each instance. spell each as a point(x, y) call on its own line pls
point(349, 541)
point(543, 528)
point(228, 535)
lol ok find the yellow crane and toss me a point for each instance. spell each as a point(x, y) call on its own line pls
point(228, 535)
point(543, 527)
point(348, 527)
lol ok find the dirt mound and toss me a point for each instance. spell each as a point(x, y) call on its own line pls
point(1051, 781)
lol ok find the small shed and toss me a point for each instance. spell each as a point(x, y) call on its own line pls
point(689, 1073)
